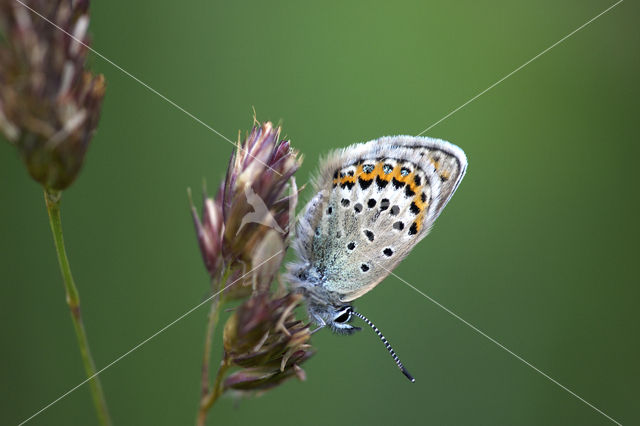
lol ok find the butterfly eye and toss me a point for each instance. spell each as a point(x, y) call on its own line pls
point(344, 316)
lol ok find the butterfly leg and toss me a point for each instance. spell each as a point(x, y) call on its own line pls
point(318, 328)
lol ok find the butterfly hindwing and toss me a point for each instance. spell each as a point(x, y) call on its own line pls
point(374, 202)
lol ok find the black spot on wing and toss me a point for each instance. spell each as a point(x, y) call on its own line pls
point(365, 183)
point(381, 183)
point(397, 184)
point(347, 184)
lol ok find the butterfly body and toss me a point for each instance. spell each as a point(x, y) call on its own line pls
point(374, 202)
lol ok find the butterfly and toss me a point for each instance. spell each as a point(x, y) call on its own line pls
point(374, 202)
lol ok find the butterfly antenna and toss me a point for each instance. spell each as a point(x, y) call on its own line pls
point(387, 345)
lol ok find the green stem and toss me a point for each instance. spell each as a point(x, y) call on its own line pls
point(214, 314)
point(208, 400)
point(207, 397)
point(52, 200)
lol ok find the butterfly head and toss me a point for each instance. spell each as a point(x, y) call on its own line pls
point(339, 319)
point(335, 316)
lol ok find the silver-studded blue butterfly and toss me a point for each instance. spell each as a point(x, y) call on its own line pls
point(374, 202)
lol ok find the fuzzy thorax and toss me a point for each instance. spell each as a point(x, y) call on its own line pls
point(325, 307)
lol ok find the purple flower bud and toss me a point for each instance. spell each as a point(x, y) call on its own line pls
point(209, 232)
point(265, 339)
point(259, 192)
point(49, 103)
point(267, 376)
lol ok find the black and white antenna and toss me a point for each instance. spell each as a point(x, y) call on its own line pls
point(386, 343)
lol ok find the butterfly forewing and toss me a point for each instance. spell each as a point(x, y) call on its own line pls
point(375, 201)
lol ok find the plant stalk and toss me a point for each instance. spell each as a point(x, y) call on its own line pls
point(209, 399)
point(207, 393)
point(214, 314)
point(52, 199)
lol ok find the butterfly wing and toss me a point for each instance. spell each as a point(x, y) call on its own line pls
point(374, 202)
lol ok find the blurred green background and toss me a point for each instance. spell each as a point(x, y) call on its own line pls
point(538, 248)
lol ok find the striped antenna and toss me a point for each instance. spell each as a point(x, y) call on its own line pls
point(387, 345)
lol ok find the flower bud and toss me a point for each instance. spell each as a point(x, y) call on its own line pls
point(49, 103)
point(264, 338)
point(209, 232)
point(254, 193)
